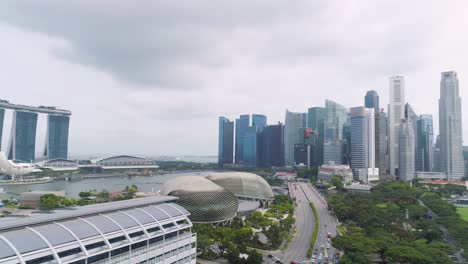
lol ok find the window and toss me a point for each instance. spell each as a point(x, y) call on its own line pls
point(119, 251)
point(136, 234)
point(95, 245)
point(182, 222)
point(69, 252)
point(168, 225)
point(117, 239)
point(153, 229)
point(155, 239)
point(139, 244)
point(40, 260)
point(83, 261)
point(171, 235)
point(97, 258)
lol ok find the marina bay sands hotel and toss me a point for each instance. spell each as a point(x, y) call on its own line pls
point(22, 143)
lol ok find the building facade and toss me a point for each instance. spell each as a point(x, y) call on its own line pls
point(316, 120)
point(363, 144)
point(22, 145)
point(272, 145)
point(144, 230)
point(242, 124)
point(396, 112)
point(57, 137)
point(371, 100)
point(450, 127)
point(2, 118)
point(293, 122)
point(425, 142)
point(225, 141)
point(335, 120)
point(381, 142)
point(250, 155)
point(406, 151)
point(259, 121)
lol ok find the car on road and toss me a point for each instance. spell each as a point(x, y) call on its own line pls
point(329, 235)
point(270, 256)
point(293, 262)
point(278, 261)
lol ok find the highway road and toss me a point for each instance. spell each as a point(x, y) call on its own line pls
point(327, 221)
point(305, 224)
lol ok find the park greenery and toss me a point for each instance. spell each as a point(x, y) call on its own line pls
point(390, 223)
point(51, 201)
point(239, 236)
point(316, 229)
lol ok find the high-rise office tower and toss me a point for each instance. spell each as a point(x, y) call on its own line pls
point(437, 157)
point(22, 145)
point(225, 141)
point(396, 111)
point(381, 142)
point(465, 158)
point(251, 147)
point(371, 100)
point(363, 144)
point(272, 142)
point(406, 162)
point(2, 117)
point(242, 124)
point(335, 119)
point(424, 145)
point(57, 137)
point(450, 127)
point(316, 120)
point(293, 122)
point(347, 141)
point(259, 121)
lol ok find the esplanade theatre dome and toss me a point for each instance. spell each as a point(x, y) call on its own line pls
point(206, 201)
point(243, 185)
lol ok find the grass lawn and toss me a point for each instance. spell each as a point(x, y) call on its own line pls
point(381, 205)
point(463, 212)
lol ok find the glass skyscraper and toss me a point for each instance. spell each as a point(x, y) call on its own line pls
point(371, 100)
point(272, 146)
point(22, 145)
point(335, 119)
point(406, 154)
point(293, 122)
point(450, 127)
point(259, 121)
point(57, 137)
point(250, 147)
point(242, 124)
point(2, 118)
point(425, 141)
point(225, 141)
point(316, 121)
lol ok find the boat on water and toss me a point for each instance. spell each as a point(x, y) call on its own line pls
point(26, 181)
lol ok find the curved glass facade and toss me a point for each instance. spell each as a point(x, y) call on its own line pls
point(246, 185)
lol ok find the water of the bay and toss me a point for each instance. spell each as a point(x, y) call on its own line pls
point(73, 188)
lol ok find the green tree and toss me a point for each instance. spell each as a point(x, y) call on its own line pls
point(50, 201)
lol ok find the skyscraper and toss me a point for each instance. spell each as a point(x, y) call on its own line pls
point(371, 100)
point(335, 119)
point(259, 121)
point(450, 127)
point(272, 141)
point(406, 154)
point(22, 145)
point(2, 117)
point(363, 144)
point(316, 120)
point(425, 141)
point(381, 142)
point(57, 137)
point(293, 122)
point(225, 141)
point(250, 148)
point(242, 124)
point(437, 157)
point(396, 111)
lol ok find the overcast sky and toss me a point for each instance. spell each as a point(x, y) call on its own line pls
point(152, 77)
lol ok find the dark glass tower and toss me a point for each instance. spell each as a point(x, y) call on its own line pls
point(425, 141)
point(371, 100)
point(22, 144)
point(259, 121)
point(57, 137)
point(242, 124)
point(272, 146)
point(316, 120)
point(225, 141)
point(250, 147)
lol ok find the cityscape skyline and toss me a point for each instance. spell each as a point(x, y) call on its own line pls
point(162, 83)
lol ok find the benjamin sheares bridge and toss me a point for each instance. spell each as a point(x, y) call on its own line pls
point(22, 143)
